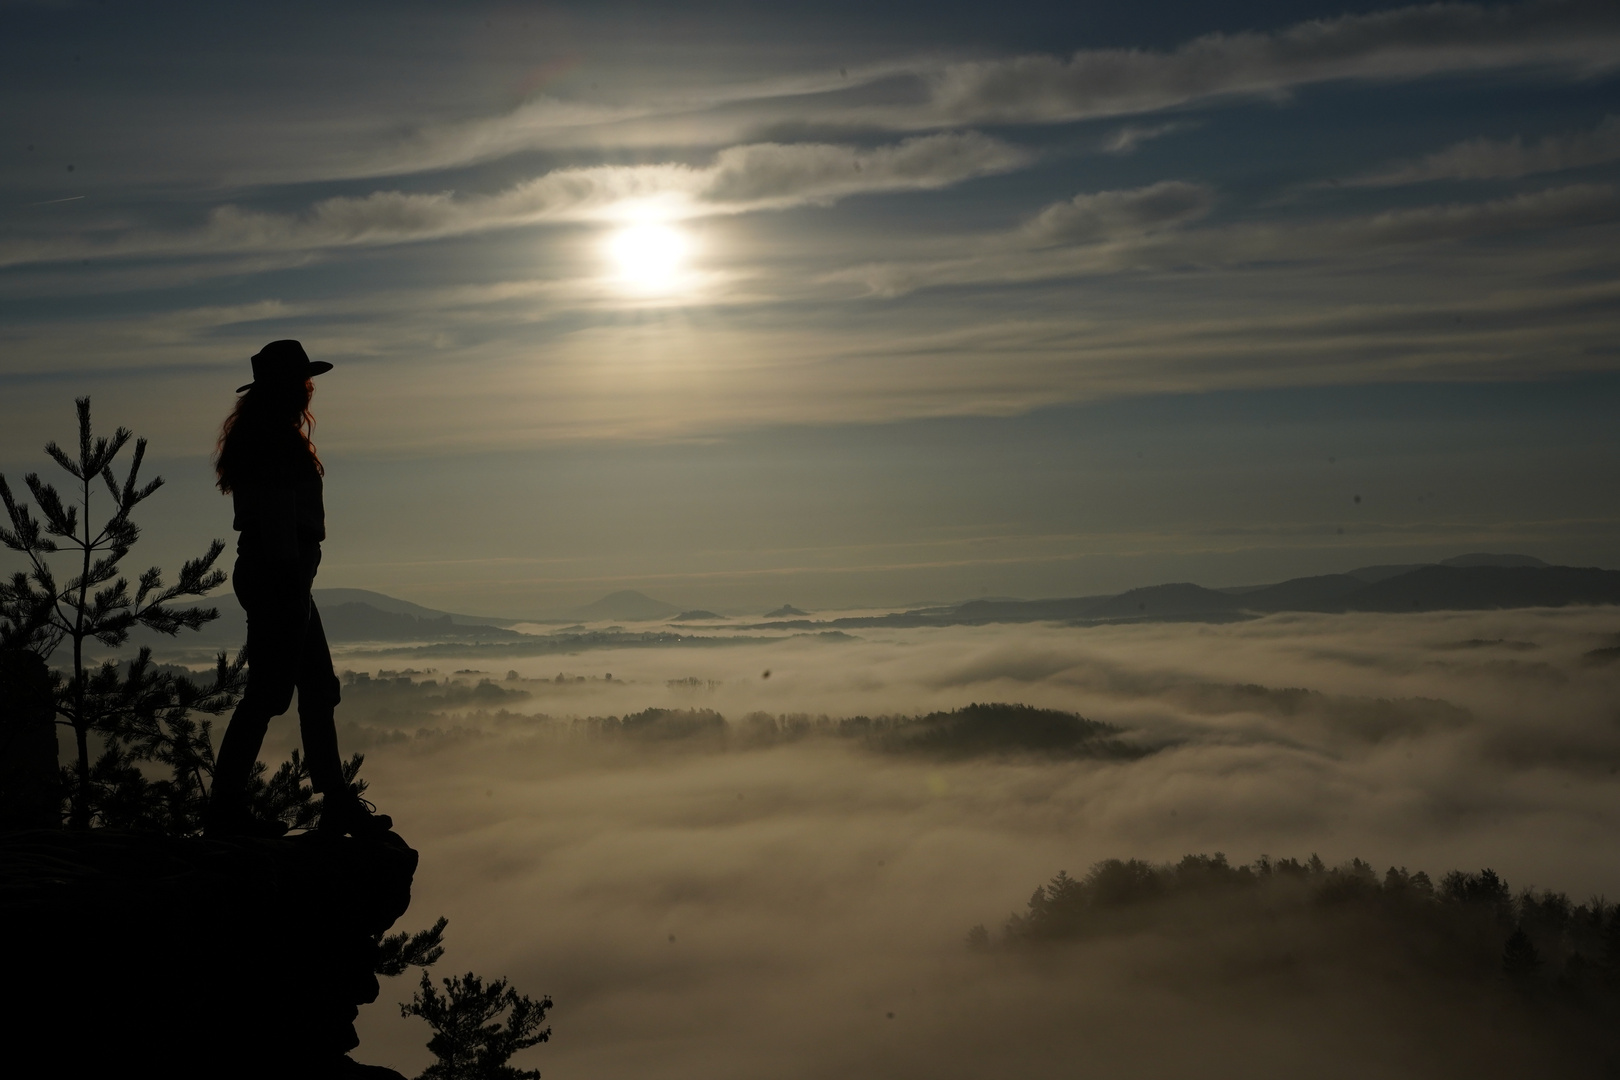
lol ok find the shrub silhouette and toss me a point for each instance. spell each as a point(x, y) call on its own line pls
point(478, 1027)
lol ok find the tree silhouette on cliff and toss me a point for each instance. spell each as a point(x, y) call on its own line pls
point(477, 1027)
point(138, 711)
point(143, 712)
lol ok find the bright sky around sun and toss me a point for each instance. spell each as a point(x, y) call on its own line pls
point(837, 303)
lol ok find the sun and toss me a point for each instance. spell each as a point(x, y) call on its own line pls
point(649, 257)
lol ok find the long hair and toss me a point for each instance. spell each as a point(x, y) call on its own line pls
point(267, 437)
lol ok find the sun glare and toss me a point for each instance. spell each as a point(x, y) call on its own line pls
point(649, 257)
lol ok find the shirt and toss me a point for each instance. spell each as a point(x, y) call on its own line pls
point(280, 520)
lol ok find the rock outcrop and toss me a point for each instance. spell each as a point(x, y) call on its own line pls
point(146, 955)
point(30, 793)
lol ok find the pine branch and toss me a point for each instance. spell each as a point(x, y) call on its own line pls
point(152, 579)
point(120, 535)
point(24, 534)
point(24, 614)
point(58, 455)
point(101, 572)
point(59, 520)
point(132, 495)
point(400, 951)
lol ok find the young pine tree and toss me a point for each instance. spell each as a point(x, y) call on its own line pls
point(138, 713)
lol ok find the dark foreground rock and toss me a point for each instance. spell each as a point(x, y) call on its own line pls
point(143, 955)
point(30, 791)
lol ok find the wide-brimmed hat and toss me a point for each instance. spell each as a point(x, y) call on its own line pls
point(283, 362)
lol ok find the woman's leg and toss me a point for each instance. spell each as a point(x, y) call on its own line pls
point(342, 809)
point(276, 616)
point(318, 697)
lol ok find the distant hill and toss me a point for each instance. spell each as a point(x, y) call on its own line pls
point(1474, 588)
point(628, 605)
point(1176, 601)
point(362, 622)
point(325, 598)
point(1023, 610)
point(348, 615)
point(1483, 559)
point(1371, 574)
point(1478, 582)
point(1473, 582)
point(1306, 594)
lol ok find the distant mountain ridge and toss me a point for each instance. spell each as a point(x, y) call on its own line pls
point(1473, 582)
point(325, 598)
point(347, 620)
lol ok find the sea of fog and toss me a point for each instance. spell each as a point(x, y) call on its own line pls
point(799, 907)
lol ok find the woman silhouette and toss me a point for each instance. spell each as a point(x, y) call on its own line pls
point(267, 464)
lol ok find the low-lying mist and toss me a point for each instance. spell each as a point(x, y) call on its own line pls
point(746, 884)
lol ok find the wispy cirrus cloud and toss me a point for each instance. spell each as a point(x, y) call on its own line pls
point(1129, 137)
point(1110, 214)
point(1566, 38)
point(1504, 159)
point(1145, 229)
point(1404, 43)
point(684, 116)
point(760, 176)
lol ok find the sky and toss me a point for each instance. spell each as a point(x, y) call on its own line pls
point(835, 304)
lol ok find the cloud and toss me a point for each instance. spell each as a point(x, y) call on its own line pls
point(1488, 159)
point(1129, 137)
point(1572, 206)
point(1404, 43)
point(1136, 230)
point(697, 911)
point(1108, 215)
point(741, 179)
point(1569, 38)
point(771, 174)
point(386, 217)
point(705, 115)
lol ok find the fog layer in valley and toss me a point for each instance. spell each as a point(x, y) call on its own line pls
point(782, 901)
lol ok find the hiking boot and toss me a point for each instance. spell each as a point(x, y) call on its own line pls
point(346, 812)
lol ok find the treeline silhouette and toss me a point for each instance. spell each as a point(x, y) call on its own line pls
point(974, 730)
point(397, 706)
point(1467, 925)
